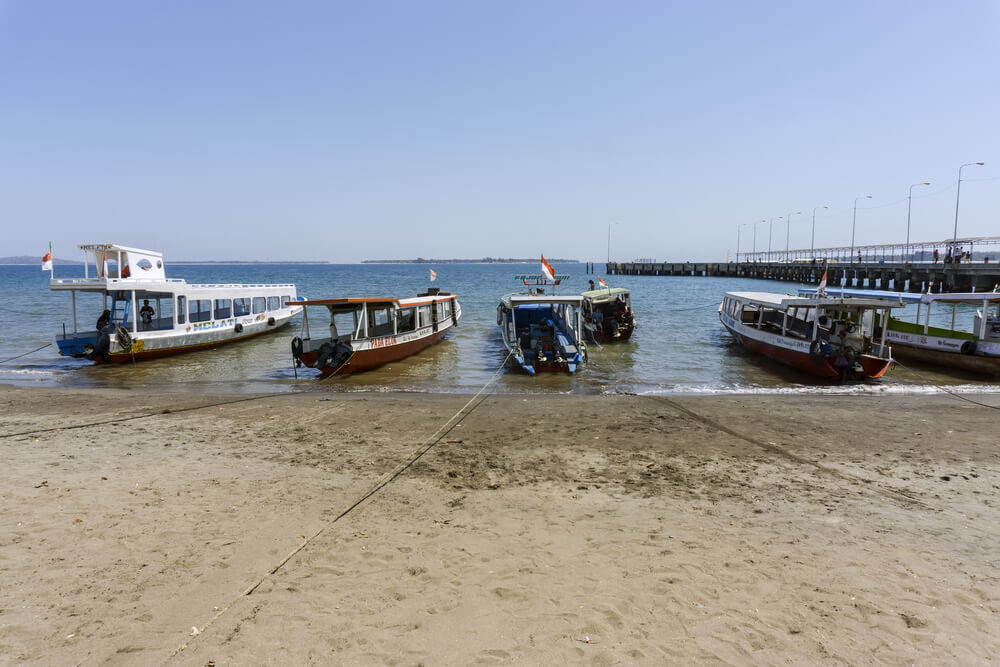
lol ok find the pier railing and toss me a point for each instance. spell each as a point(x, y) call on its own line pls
point(970, 264)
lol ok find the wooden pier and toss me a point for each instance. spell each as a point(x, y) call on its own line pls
point(901, 277)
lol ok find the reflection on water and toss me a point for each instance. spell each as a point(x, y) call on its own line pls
point(678, 346)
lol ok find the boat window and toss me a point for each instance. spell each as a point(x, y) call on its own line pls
point(273, 303)
point(425, 316)
point(446, 309)
point(181, 309)
point(380, 322)
point(223, 309)
point(405, 320)
point(285, 299)
point(259, 304)
point(241, 306)
point(200, 310)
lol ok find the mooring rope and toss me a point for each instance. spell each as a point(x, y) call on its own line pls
point(3, 361)
point(384, 481)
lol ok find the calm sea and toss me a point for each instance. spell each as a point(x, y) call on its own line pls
point(679, 346)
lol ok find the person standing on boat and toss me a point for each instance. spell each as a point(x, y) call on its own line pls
point(146, 313)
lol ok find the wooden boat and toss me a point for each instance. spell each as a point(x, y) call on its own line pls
point(145, 315)
point(607, 315)
point(828, 337)
point(365, 333)
point(542, 332)
point(958, 331)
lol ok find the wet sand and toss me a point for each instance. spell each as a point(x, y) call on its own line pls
point(184, 529)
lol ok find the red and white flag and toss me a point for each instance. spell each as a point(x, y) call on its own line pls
point(821, 290)
point(434, 274)
point(601, 282)
point(547, 270)
point(47, 260)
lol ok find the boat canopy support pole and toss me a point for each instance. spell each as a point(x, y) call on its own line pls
point(954, 313)
point(885, 327)
point(74, 312)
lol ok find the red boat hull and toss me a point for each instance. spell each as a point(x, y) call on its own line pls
point(873, 367)
point(366, 360)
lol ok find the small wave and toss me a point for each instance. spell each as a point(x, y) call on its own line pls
point(836, 390)
point(27, 371)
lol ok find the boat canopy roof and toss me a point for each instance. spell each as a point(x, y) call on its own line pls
point(515, 300)
point(946, 297)
point(353, 303)
point(784, 301)
point(604, 294)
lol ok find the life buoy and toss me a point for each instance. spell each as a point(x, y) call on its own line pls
point(296, 348)
point(239, 327)
point(968, 347)
point(270, 321)
point(123, 338)
point(816, 351)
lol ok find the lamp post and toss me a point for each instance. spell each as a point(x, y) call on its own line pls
point(909, 203)
point(958, 193)
point(788, 229)
point(770, 227)
point(755, 237)
point(854, 222)
point(812, 241)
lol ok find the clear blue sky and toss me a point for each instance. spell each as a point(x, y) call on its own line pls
point(344, 131)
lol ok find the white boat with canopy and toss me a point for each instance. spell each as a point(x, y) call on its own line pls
point(142, 314)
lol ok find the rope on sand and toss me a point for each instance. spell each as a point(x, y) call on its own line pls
point(384, 481)
point(3, 361)
point(119, 420)
point(775, 449)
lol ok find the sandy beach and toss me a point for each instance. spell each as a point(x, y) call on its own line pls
point(351, 528)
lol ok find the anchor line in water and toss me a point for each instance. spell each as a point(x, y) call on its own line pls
point(3, 361)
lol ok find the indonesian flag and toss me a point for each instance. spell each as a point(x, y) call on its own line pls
point(547, 270)
point(47, 260)
point(601, 282)
point(104, 271)
point(434, 274)
point(821, 290)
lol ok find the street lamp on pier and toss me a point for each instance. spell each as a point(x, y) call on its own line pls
point(958, 193)
point(854, 222)
point(788, 228)
point(755, 237)
point(812, 241)
point(909, 203)
point(770, 227)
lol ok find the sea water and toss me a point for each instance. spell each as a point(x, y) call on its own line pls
point(679, 345)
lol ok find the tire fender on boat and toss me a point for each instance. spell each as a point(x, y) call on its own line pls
point(123, 338)
point(296, 348)
point(239, 328)
point(499, 316)
point(968, 347)
point(270, 321)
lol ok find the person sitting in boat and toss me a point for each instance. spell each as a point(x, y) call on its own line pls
point(104, 320)
point(146, 313)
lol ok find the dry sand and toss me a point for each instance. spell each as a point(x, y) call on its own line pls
point(544, 529)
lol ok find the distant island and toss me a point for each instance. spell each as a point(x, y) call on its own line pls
point(29, 260)
point(246, 261)
point(483, 260)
